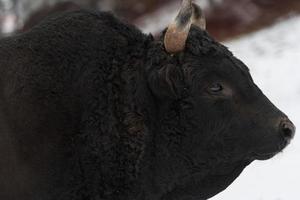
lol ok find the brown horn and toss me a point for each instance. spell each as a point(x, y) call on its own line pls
point(178, 30)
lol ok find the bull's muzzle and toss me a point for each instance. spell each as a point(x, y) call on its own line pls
point(287, 129)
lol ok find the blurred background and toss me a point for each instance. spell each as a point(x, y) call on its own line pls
point(226, 18)
point(265, 34)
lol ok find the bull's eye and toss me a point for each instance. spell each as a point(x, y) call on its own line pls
point(215, 88)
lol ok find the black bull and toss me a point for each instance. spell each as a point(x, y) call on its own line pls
point(92, 109)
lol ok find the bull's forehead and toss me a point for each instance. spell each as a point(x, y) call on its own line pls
point(212, 55)
point(212, 68)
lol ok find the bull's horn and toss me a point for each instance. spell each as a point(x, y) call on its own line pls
point(198, 17)
point(178, 30)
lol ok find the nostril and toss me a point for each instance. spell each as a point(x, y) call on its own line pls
point(288, 133)
point(288, 129)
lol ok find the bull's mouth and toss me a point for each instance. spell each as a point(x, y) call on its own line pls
point(265, 156)
point(271, 154)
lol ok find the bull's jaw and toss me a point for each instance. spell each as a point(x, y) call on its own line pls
point(265, 155)
point(219, 179)
point(202, 185)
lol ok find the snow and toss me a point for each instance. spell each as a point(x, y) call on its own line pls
point(9, 24)
point(273, 56)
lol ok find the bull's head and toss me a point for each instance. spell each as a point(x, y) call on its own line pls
point(214, 120)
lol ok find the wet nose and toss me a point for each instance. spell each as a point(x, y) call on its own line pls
point(287, 129)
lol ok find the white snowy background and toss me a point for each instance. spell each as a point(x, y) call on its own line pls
point(273, 56)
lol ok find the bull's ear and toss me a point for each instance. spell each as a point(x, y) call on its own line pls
point(178, 30)
point(165, 82)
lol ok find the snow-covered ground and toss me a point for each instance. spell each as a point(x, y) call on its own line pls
point(273, 56)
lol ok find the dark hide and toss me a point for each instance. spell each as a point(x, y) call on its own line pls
point(92, 109)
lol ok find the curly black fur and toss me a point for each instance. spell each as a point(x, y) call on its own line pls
point(92, 109)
